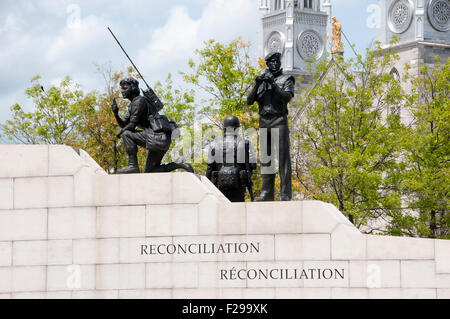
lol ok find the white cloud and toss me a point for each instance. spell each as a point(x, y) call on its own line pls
point(86, 38)
point(11, 24)
point(174, 43)
point(171, 42)
point(48, 47)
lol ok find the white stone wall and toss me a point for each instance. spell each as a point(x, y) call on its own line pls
point(68, 230)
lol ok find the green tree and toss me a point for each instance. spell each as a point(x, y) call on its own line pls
point(178, 103)
point(347, 142)
point(426, 181)
point(55, 117)
point(223, 76)
point(97, 126)
point(225, 73)
point(65, 115)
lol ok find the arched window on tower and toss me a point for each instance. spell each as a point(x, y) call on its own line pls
point(395, 74)
point(396, 77)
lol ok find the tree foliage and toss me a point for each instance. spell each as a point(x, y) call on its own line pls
point(97, 125)
point(426, 145)
point(225, 73)
point(64, 114)
point(55, 118)
point(179, 105)
point(347, 142)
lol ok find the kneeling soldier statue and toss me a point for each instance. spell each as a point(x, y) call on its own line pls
point(144, 126)
point(231, 161)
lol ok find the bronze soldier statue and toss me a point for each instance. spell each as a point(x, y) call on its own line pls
point(143, 126)
point(231, 161)
point(273, 90)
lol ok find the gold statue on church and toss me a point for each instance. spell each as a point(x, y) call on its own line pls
point(337, 36)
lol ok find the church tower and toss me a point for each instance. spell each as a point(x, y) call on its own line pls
point(298, 30)
point(423, 27)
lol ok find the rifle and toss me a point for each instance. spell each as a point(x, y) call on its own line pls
point(249, 171)
point(150, 95)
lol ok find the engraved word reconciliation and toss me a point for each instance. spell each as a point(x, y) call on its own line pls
point(200, 248)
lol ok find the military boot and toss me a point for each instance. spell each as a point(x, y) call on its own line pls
point(167, 168)
point(174, 166)
point(133, 166)
point(268, 189)
point(186, 166)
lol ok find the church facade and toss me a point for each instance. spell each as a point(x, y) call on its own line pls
point(423, 30)
point(297, 29)
point(301, 31)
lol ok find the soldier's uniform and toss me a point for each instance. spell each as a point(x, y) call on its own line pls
point(228, 159)
point(273, 111)
point(137, 115)
point(142, 121)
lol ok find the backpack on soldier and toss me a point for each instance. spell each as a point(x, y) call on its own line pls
point(162, 129)
point(154, 103)
point(229, 176)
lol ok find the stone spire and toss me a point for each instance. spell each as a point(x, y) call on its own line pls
point(328, 8)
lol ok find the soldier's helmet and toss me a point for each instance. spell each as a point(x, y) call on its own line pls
point(133, 83)
point(273, 55)
point(130, 81)
point(231, 121)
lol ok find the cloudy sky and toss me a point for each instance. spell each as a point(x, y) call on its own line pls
point(55, 38)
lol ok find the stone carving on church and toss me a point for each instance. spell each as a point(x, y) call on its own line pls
point(337, 36)
point(304, 18)
point(439, 14)
point(275, 42)
point(400, 15)
point(309, 45)
point(272, 21)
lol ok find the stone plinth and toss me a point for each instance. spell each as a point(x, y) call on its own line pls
point(69, 230)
